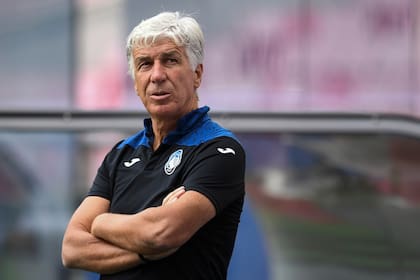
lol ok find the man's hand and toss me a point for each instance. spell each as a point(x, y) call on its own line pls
point(157, 231)
point(174, 195)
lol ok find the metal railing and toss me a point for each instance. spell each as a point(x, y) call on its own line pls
point(238, 122)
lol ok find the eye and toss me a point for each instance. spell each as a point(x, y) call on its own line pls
point(143, 64)
point(172, 60)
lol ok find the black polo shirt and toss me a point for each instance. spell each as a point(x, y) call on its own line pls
point(200, 155)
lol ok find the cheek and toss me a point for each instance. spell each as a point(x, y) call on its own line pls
point(139, 87)
point(187, 81)
point(140, 93)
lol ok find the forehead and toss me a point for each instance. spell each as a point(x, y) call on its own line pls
point(159, 47)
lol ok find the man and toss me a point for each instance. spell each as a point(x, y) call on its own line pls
point(166, 202)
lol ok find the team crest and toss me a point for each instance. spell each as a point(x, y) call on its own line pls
point(173, 161)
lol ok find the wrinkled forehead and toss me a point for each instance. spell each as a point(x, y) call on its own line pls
point(163, 45)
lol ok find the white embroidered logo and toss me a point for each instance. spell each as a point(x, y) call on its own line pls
point(173, 161)
point(131, 162)
point(226, 150)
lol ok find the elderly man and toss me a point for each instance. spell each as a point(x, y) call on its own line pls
point(166, 201)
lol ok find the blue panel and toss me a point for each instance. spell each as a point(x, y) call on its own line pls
point(249, 260)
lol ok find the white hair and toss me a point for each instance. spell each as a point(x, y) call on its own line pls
point(183, 30)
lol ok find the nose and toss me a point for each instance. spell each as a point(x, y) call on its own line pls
point(158, 74)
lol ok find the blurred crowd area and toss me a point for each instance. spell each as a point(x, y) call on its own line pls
point(271, 56)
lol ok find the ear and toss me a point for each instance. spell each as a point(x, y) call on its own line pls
point(198, 74)
point(135, 87)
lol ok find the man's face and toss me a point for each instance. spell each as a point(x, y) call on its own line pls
point(164, 80)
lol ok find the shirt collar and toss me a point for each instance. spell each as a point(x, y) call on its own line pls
point(184, 125)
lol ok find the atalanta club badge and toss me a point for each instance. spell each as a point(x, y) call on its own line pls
point(173, 161)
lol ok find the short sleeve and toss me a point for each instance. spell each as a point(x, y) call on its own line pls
point(217, 170)
point(102, 184)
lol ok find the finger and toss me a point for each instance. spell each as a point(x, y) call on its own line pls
point(175, 194)
point(175, 197)
point(169, 196)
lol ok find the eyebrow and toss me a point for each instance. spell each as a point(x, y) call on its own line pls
point(162, 55)
point(141, 58)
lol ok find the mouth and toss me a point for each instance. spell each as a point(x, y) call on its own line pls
point(160, 92)
point(159, 95)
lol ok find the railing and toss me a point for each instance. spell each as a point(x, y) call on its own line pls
point(238, 122)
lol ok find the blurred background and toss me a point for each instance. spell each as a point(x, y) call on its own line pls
point(323, 94)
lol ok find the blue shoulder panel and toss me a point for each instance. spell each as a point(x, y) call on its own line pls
point(135, 140)
point(207, 131)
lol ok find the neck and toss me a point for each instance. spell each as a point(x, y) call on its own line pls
point(161, 129)
point(162, 126)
